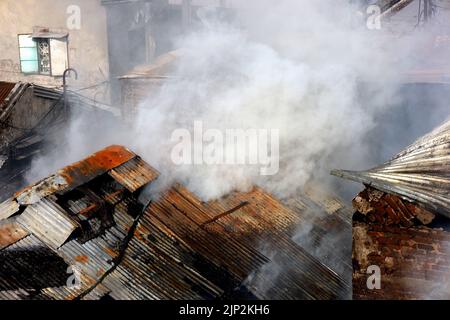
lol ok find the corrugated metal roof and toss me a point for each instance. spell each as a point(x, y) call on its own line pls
point(49, 222)
point(420, 173)
point(181, 251)
point(5, 90)
point(52, 225)
point(10, 96)
point(95, 165)
point(42, 189)
point(177, 248)
point(265, 220)
point(8, 208)
point(155, 266)
point(10, 233)
point(76, 174)
point(134, 174)
point(95, 258)
point(27, 267)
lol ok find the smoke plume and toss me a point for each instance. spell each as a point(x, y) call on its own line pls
point(297, 66)
point(310, 69)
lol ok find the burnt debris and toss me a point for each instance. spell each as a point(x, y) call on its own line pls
point(90, 225)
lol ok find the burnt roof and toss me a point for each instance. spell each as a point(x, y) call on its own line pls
point(91, 216)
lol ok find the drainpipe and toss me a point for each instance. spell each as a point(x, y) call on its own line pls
point(66, 99)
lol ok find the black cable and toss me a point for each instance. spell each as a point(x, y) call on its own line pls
point(51, 109)
point(91, 87)
point(84, 97)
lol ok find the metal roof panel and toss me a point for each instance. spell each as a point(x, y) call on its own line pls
point(10, 233)
point(134, 174)
point(8, 208)
point(49, 222)
point(5, 90)
point(420, 173)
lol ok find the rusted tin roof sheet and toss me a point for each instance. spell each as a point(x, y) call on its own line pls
point(53, 213)
point(134, 174)
point(178, 247)
point(265, 220)
point(95, 165)
point(10, 233)
point(188, 248)
point(98, 256)
point(420, 173)
point(8, 208)
point(165, 267)
point(29, 266)
point(10, 93)
point(76, 174)
point(40, 190)
point(49, 222)
point(5, 90)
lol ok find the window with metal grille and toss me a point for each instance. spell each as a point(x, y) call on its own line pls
point(44, 56)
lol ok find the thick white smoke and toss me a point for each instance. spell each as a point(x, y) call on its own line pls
point(311, 69)
point(296, 66)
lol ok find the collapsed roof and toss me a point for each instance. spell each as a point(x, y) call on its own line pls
point(91, 220)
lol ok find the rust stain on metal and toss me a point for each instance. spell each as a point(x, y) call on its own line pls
point(97, 164)
point(76, 174)
point(36, 192)
point(140, 233)
point(111, 252)
point(11, 233)
point(87, 212)
point(100, 272)
point(114, 197)
point(174, 247)
point(5, 89)
point(82, 259)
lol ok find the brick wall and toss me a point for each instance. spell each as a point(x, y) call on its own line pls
point(414, 259)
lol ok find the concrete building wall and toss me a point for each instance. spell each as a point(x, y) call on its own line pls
point(87, 46)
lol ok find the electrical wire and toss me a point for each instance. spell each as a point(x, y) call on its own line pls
point(76, 92)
